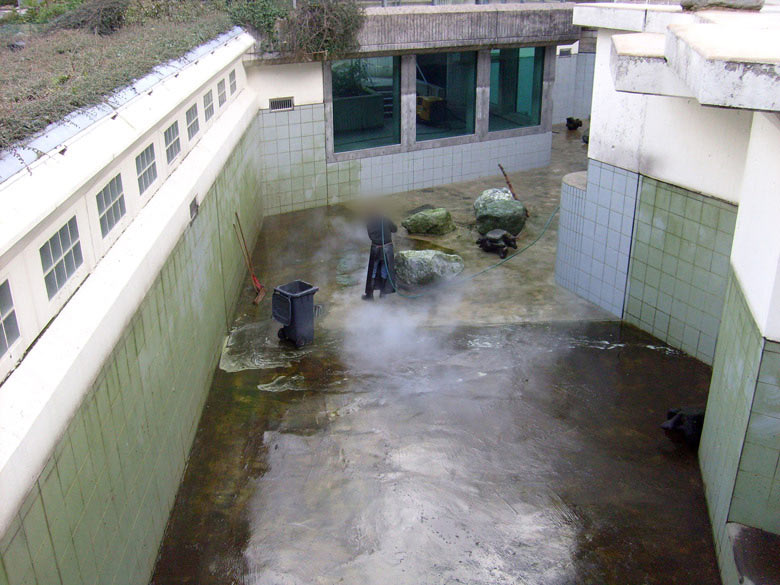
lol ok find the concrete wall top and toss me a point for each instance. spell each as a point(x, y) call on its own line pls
point(419, 28)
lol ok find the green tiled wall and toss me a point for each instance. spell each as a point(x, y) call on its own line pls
point(679, 266)
point(756, 500)
point(735, 371)
point(97, 513)
point(293, 163)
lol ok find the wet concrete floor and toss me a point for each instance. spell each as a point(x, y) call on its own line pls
point(507, 433)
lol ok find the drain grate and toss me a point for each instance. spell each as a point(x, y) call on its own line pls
point(280, 104)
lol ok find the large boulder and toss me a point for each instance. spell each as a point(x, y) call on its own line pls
point(491, 195)
point(421, 267)
point(497, 209)
point(436, 222)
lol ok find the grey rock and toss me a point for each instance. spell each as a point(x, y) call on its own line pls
point(732, 4)
point(436, 222)
point(423, 267)
point(502, 214)
point(491, 195)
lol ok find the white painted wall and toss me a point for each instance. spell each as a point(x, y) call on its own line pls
point(573, 87)
point(671, 139)
point(755, 254)
point(302, 81)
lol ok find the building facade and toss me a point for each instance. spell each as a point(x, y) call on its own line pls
point(672, 227)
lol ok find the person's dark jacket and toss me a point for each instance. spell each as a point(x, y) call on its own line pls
point(376, 226)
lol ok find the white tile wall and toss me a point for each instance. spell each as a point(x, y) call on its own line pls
point(573, 87)
point(594, 237)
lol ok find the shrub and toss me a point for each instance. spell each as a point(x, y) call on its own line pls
point(101, 17)
point(314, 28)
point(324, 28)
point(259, 16)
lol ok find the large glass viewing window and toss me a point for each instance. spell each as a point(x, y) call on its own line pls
point(446, 94)
point(366, 103)
point(515, 88)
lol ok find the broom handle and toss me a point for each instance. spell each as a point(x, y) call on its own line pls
point(243, 240)
point(508, 182)
point(243, 251)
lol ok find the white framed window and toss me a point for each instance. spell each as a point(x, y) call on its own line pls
point(9, 328)
point(221, 95)
point(193, 125)
point(172, 145)
point(111, 205)
point(208, 105)
point(232, 78)
point(61, 257)
point(146, 168)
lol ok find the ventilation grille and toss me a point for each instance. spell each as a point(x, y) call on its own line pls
point(279, 104)
point(565, 53)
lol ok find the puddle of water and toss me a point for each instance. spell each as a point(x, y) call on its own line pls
point(283, 384)
point(503, 455)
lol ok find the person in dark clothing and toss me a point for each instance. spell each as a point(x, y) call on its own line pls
point(381, 269)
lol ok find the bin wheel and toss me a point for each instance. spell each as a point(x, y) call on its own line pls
point(502, 253)
point(300, 343)
point(281, 334)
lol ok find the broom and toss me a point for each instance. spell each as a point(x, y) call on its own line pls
point(259, 288)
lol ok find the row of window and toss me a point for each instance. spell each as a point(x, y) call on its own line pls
point(61, 255)
point(367, 96)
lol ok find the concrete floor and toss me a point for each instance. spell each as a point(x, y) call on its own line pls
point(502, 432)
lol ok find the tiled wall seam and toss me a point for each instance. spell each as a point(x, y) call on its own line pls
point(297, 176)
point(97, 512)
point(679, 266)
point(756, 499)
point(594, 237)
point(735, 372)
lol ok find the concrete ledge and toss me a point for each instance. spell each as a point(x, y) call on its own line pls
point(629, 17)
point(729, 66)
point(578, 180)
point(638, 65)
point(418, 28)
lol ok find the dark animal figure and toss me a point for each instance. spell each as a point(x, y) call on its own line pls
point(497, 241)
point(684, 425)
point(573, 123)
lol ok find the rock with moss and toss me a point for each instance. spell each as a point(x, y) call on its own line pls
point(490, 195)
point(435, 222)
point(425, 267)
point(498, 209)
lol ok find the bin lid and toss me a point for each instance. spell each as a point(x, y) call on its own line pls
point(296, 288)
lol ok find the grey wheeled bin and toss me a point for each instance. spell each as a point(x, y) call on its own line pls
point(292, 305)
